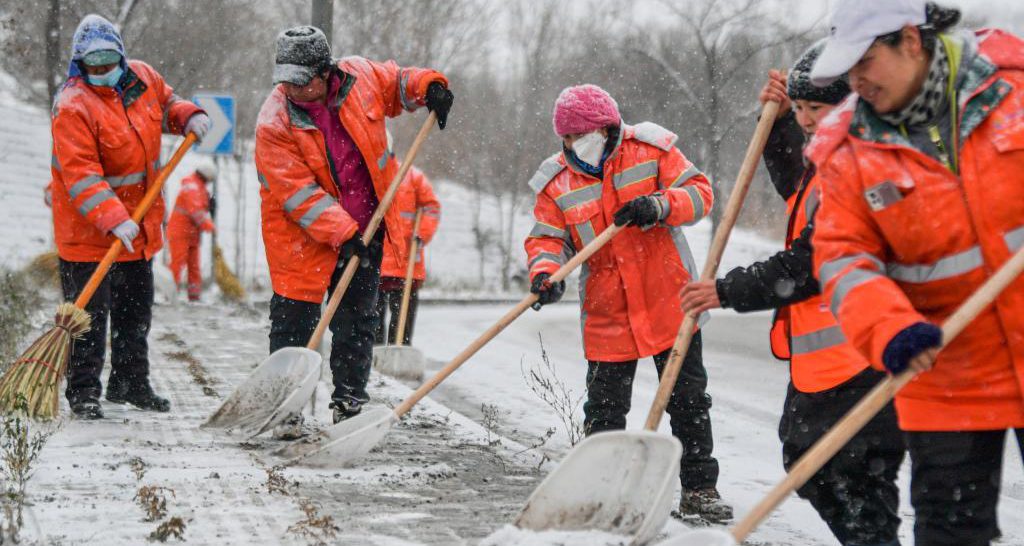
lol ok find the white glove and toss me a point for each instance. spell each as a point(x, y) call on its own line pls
point(198, 124)
point(126, 231)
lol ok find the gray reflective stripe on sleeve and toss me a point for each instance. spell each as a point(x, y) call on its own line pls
point(382, 161)
point(689, 173)
point(263, 180)
point(683, 249)
point(53, 162)
point(832, 268)
point(811, 204)
point(586, 232)
point(546, 257)
point(849, 281)
point(541, 229)
point(406, 103)
point(816, 341)
point(300, 197)
point(315, 211)
point(945, 268)
point(156, 164)
point(1014, 239)
point(125, 180)
point(407, 214)
point(636, 173)
point(432, 211)
point(83, 185)
point(578, 197)
point(94, 201)
point(665, 207)
point(698, 204)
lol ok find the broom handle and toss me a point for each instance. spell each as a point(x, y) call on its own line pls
point(504, 321)
point(407, 288)
point(140, 211)
point(732, 211)
point(371, 230)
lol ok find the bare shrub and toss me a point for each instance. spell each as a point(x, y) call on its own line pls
point(173, 527)
point(315, 528)
point(545, 383)
point(153, 502)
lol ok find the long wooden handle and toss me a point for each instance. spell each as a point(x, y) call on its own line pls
point(732, 211)
point(873, 402)
point(504, 321)
point(140, 211)
point(371, 230)
point(409, 269)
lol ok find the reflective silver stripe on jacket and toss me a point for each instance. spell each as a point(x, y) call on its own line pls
point(1014, 239)
point(83, 184)
point(432, 210)
point(407, 214)
point(637, 173)
point(686, 257)
point(546, 257)
point(816, 341)
point(849, 281)
point(945, 268)
point(406, 103)
point(126, 180)
point(53, 162)
point(382, 161)
point(586, 232)
point(263, 180)
point(85, 208)
point(579, 197)
point(811, 204)
point(300, 196)
point(689, 173)
point(830, 269)
point(698, 204)
point(315, 211)
point(541, 229)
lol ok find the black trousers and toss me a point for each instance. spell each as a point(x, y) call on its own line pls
point(855, 493)
point(954, 486)
point(610, 388)
point(391, 301)
point(292, 323)
point(125, 297)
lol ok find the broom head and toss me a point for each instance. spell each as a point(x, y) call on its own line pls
point(32, 383)
point(226, 280)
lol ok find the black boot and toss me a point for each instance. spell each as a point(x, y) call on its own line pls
point(141, 397)
point(346, 408)
point(87, 408)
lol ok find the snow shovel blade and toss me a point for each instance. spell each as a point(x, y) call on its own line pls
point(630, 480)
point(276, 390)
point(343, 443)
point(701, 537)
point(400, 361)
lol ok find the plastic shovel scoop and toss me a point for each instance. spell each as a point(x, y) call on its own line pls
point(628, 491)
point(351, 439)
point(558, 505)
point(403, 361)
point(276, 391)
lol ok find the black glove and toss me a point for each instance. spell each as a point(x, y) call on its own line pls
point(642, 211)
point(355, 247)
point(910, 342)
point(547, 291)
point(439, 101)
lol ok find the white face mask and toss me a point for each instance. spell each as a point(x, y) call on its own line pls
point(589, 148)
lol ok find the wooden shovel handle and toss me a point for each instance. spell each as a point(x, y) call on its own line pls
point(504, 321)
point(873, 402)
point(140, 212)
point(403, 313)
point(732, 211)
point(371, 230)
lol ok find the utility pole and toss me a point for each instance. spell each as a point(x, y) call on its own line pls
point(323, 17)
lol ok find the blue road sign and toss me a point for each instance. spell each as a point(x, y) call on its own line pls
point(221, 109)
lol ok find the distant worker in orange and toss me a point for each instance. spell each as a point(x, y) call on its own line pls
point(190, 217)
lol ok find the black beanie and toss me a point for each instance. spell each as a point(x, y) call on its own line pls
point(799, 86)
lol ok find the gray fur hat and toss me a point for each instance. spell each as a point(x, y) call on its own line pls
point(302, 52)
point(799, 85)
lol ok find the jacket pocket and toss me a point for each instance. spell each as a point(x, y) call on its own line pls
point(114, 138)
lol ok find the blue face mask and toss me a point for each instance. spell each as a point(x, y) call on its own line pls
point(109, 79)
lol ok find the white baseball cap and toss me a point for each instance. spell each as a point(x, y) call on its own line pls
point(855, 25)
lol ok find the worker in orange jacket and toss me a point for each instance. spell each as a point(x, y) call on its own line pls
point(607, 172)
point(923, 178)
point(323, 164)
point(855, 492)
point(106, 126)
point(189, 217)
point(416, 193)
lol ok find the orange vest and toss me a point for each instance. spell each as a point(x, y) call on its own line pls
point(191, 213)
point(415, 192)
point(806, 333)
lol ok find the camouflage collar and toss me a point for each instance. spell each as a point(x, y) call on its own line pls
point(301, 119)
point(133, 86)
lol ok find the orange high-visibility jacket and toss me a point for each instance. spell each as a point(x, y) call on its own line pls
point(903, 239)
point(806, 333)
point(191, 213)
point(629, 289)
point(415, 192)
point(106, 152)
point(304, 225)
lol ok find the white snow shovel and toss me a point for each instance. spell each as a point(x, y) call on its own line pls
point(351, 439)
point(251, 402)
point(398, 360)
point(633, 496)
point(865, 410)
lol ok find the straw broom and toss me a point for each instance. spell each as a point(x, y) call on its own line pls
point(226, 280)
point(32, 383)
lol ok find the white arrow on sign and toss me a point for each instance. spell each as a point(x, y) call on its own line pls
point(219, 128)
